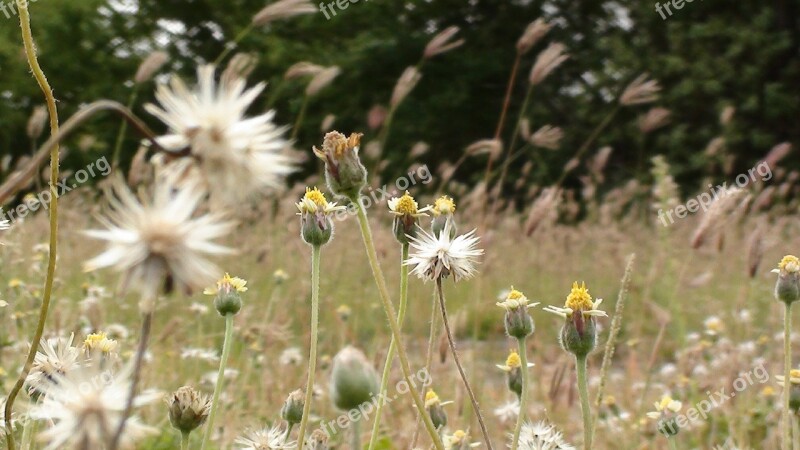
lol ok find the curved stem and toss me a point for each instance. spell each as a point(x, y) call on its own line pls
point(506, 101)
point(588, 142)
point(147, 322)
point(312, 358)
point(583, 391)
point(300, 116)
point(787, 375)
point(231, 45)
point(387, 366)
point(123, 127)
point(17, 181)
point(457, 360)
point(226, 350)
point(41, 79)
point(380, 281)
point(523, 399)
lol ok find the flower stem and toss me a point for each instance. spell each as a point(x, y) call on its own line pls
point(300, 116)
point(673, 444)
point(231, 45)
point(387, 367)
point(123, 127)
point(523, 398)
point(226, 350)
point(147, 324)
point(583, 391)
point(184, 441)
point(787, 375)
point(428, 357)
point(380, 281)
point(355, 443)
point(30, 52)
point(312, 357)
point(457, 360)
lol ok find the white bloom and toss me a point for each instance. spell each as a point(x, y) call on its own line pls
point(665, 406)
point(200, 353)
point(56, 356)
point(507, 412)
point(265, 439)
point(290, 356)
point(238, 155)
point(153, 240)
point(440, 256)
point(541, 436)
point(86, 406)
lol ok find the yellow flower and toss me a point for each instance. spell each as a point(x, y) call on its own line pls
point(431, 398)
point(666, 405)
point(768, 391)
point(314, 201)
point(578, 300)
point(14, 283)
point(794, 378)
point(515, 299)
point(789, 264)
point(406, 206)
point(99, 342)
point(444, 205)
point(228, 284)
point(513, 362)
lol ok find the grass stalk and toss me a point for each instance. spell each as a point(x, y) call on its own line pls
point(583, 392)
point(787, 375)
point(312, 357)
point(226, 351)
point(523, 398)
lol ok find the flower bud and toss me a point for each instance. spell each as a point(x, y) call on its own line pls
point(513, 369)
point(226, 295)
point(188, 409)
point(435, 409)
point(292, 410)
point(406, 214)
point(458, 441)
point(344, 172)
point(518, 323)
point(787, 288)
point(443, 209)
point(317, 441)
point(579, 333)
point(316, 226)
point(666, 413)
point(353, 379)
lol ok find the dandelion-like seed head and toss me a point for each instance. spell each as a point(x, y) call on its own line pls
point(542, 436)
point(441, 255)
point(57, 356)
point(265, 439)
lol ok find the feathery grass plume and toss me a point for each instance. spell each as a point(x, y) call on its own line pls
point(726, 116)
point(616, 326)
point(265, 439)
point(376, 116)
point(159, 243)
point(187, 410)
point(442, 42)
point(548, 137)
point(654, 119)
point(665, 414)
point(322, 79)
point(547, 61)
point(597, 164)
point(777, 153)
point(150, 66)
point(282, 9)
point(665, 190)
point(640, 91)
point(541, 436)
point(344, 172)
point(405, 84)
point(238, 156)
point(56, 356)
point(544, 210)
point(533, 33)
point(86, 406)
point(755, 250)
point(492, 147)
point(37, 122)
point(718, 214)
point(327, 122)
point(240, 66)
point(302, 69)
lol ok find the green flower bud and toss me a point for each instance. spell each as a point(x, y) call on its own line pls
point(188, 409)
point(344, 172)
point(435, 410)
point(579, 335)
point(353, 379)
point(292, 410)
point(226, 295)
point(406, 214)
point(787, 288)
point(518, 323)
point(316, 226)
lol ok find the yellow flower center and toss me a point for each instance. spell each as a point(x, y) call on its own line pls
point(316, 196)
point(513, 360)
point(458, 436)
point(665, 401)
point(431, 398)
point(515, 294)
point(99, 341)
point(794, 373)
point(789, 264)
point(406, 205)
point(444, 205)
point(228, 284)
point(579, 298)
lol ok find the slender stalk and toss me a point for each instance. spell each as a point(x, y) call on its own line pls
point(300, 116)
point(428, 356)
point(523, 399)
point(590, 140)
point(673, 444)
point(147, 324)
point(387, 366)
point(123, 127)
point(583, 391)
point(380, 281)
point(27, 435)
point(355, 442)
point(231, 45)
point(41, 79)
point(312, 357)
point(507, 158)
point(226, 351)
point(787, 375)
point(457, 360)
point(506, 100)
point(184, 441)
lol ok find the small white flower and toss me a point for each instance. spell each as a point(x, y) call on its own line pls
point(200, 353)
point(86, 406)
point(541, 436)
point(665, 406)
point(56, 356)
point(153, 240)
point(507, 412)
point(238, 155)
point(440, 256)
point(265, 439)
point(290, 357)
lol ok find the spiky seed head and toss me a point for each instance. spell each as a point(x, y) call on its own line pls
point(188, 409)
point(344, 172)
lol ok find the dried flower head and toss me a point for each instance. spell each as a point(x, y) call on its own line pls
point(158, 244)
point(442, 42)
point(438, 256)
point(640, 91)
point(548, 137)
point(547, 61)
point(534, 32)
point(188, 409)
point(283, 9)
point(265, 439)
point(654, 119)
point(344, 172)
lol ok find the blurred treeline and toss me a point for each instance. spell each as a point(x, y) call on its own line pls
point(708, 55)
